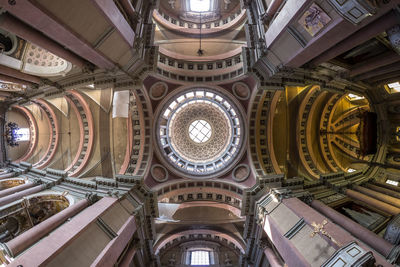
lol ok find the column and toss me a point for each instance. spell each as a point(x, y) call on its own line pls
point(15, 189)
point(371, 239)
point(128, 258)
point(41, 253)
point(291, 255)
point(383, 190)
point(110, 254)
point(10, 79)
point(382, 197)
point(7, 175)
point(373, 202)
point(272, 9)
point(19, 75)
point(272, 258)
point(18, 195)
point(371, 30)
point(374, 63)
point(343, 237)
point(388, 186)
point(28, 238)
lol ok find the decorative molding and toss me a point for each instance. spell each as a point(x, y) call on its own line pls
point(158, 95)
point(295, 229)
point(392, 233)
point(354, 11)
point(241, 167)
point(241, 91)
point(159, 173)
point(350, 255)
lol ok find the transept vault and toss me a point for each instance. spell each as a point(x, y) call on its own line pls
point(177, 133)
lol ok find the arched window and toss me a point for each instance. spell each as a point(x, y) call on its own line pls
point(395, 183)
point(23, 134)
point(393, 87)
point(199, 257)
point(200, 5)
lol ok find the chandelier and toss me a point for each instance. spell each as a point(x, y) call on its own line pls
point(12, 135)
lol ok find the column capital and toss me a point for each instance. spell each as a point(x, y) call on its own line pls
point(5, 254)
point(394, 255)
point(92, 197)
point(264, 243)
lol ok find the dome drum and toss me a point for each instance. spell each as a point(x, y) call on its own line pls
point(199, 133)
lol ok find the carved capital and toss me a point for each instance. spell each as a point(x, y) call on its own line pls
point(264, 243)
point(92, 197)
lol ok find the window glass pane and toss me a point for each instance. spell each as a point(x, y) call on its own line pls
point(23, 134)
point(392, 182)
point(200, 257)
point(393, 87)
point(200, 5)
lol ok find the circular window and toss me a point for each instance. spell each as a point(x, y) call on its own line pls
point(199, 132)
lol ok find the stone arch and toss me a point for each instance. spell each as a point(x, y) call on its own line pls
point(197, 234)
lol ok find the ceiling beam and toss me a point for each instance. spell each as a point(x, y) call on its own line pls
point(386, 78)
point(374, 63)
point(9, 79)
point(42, 20)
point(378, 72)
point(115, 17)
point(19, 75)
point(364, 34)
point(13, 25)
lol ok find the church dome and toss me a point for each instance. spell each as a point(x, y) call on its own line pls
point(200, 132)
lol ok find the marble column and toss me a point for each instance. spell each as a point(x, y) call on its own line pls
point(370, 238)
point(374, 63)
point(10, 79)
point(15, 189)
point(110, 254)
point(19, 75)
point(28, 238)
point(128, 258)
point(272, 9)
point(383, 190)
point(272, 258)
point(312, 215)
point(371, 30)
point(388, 186)
point(18, 195)
point(291, 255)
point(382, 197)
point(44, 251)
point(373, 202)
point(7, 175)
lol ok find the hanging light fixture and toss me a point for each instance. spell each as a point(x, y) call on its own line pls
point(200, 52)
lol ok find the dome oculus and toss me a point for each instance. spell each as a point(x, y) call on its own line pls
point(199, 132)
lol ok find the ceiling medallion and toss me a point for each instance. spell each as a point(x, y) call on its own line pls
point(200, 133)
